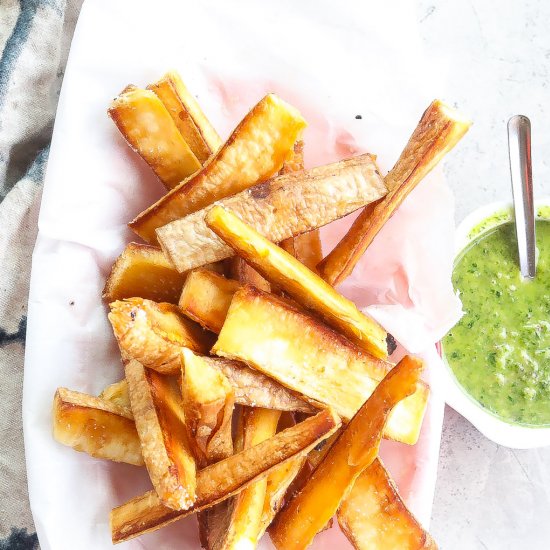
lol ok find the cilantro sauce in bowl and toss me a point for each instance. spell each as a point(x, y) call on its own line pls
point(498, 354)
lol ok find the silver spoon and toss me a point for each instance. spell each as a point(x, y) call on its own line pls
point(519, 148)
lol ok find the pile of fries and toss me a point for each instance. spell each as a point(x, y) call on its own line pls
point(254, 393)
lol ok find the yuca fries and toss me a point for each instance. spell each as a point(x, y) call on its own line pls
point(148, 128)
point(154, 334)
point(208, 401)
point(299, 282)
point(282, 207)
point(173, 412)
point(439, 130)
point(160, 423)
point(95, 426)
point(143, 271)
point(373, 516)
point(225, 478)
point(254, 152)
point(356, 448)
point(303, 354)
point(187, 115)
point(206, 297)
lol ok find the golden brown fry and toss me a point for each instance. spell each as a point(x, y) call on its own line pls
point(143, 271)
point(187, 115)
point(303, 354)
point(299, 282)
point(373, 516)
point(439, 130)
point(154, 334)
point(223, 479)
point(205, 298)
point(313, 459)
point(282, 207)
point(149, 129)
point(118, 393)
point(309, 511)
point(95, 426)
point(278, 481)
point(160, 423)
point(254, 152)
point(208, 401)
point(242, 272)
point(306, 248)
point(255, 389)
point(243, 529)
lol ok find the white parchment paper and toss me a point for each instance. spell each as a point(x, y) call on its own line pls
point(334, 61)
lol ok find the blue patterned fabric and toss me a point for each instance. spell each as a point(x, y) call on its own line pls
point(34, 40)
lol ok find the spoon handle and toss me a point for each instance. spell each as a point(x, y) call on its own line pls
point(519, 147)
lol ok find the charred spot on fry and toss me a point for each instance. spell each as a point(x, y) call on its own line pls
point(260, 191)
point(320, 446)
point(391, 342)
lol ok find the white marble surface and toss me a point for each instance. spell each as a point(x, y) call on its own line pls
point(497, 59)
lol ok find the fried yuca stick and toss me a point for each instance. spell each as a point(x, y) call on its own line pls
point(149, 129)
point(223, 479)
point(309, 511)
point(439, 130)
point(187, 115)
point(208, 401)
point(95, 426)
point(278, 481)
point(299, 282)
point(373, 516)
point(315, 361)
point(244, 526)
point(255, 151)
point(160, 423)
point(206, 297)
point(154, 334)
point(143, 271)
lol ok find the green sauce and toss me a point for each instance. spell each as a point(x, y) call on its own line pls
point(500, 350)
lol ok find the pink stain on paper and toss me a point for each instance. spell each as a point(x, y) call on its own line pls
point(325, 142)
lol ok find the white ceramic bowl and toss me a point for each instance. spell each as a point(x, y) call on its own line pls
point(503, 433)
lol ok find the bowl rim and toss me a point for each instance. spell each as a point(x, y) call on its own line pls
point(501, 432)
